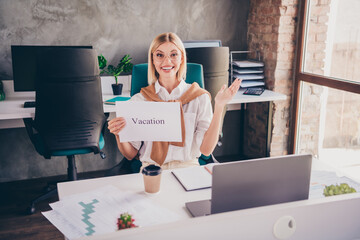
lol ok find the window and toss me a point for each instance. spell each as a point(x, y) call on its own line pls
point(327, 83)
point(332, 40)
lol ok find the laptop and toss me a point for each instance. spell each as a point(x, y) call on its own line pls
point(257, 182)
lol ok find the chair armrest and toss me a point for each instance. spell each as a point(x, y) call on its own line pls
point(29, 125)
point(35, 139)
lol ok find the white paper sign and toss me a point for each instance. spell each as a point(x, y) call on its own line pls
point(150, 121)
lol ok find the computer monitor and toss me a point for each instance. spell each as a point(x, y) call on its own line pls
point(202, 43)
point(24, 64)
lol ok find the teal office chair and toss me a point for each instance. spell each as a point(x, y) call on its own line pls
point(69, 115)
point(139, 80)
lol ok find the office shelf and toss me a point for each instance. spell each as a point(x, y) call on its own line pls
point(251, 71)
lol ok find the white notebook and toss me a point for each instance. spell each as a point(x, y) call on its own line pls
point(193, 178)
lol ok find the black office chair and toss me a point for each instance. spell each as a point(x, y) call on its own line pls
point(69, 116)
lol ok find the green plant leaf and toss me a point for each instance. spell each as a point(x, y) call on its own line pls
point(343, 188)
point(124, 66)
point(102, 62)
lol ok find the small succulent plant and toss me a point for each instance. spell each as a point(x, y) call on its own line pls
point(125, 221)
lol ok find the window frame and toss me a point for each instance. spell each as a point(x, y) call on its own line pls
point(301, 76)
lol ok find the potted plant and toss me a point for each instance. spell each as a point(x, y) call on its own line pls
point(2, 92)
point(124, 66)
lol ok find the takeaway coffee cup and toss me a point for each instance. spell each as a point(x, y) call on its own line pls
point(152, 177)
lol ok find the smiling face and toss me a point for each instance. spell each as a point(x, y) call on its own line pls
point(166, 56)
point(167, 59)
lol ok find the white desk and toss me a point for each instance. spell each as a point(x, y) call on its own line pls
point(172, 195)
point(12, 111)
point(266, 96)
point(234, 104)
point(325, 218)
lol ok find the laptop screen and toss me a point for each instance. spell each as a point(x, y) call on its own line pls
point(260, 182)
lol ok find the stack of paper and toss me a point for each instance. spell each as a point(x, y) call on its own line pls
point(248, 64)
point(247, 84)
point(250, 71)
point(96, 212)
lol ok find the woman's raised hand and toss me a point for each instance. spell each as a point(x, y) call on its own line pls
point(116, 125)
point(226, 94)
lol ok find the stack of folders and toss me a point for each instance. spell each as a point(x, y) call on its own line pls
point(250, 71)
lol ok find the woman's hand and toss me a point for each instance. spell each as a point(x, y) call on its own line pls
point(116, 125)
point(226, 94)
point(211, 136)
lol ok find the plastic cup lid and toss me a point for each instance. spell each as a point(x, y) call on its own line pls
point(151, 170)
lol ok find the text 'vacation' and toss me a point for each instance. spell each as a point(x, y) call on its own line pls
point(148, 121)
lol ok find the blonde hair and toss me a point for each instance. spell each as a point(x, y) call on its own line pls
point(153, 75)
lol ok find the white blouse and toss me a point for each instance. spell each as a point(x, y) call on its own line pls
point(197, 115)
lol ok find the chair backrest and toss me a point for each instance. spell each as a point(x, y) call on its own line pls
point(215, 61)
point(69, 110)
point(139, 78)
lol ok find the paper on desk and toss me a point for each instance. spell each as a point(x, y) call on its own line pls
point(246, 84)
point(248, 63)
point(96, 212)
point(150, 121)
point(245, 77)
point(70, 231)
point(320, 179)
point(194, 178)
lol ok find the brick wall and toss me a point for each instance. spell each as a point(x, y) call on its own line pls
point(312, 95)
point(271, 31)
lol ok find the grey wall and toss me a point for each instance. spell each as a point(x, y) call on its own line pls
point(117, 27)
point(114, 28)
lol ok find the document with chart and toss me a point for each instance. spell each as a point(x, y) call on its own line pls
point(96, 212)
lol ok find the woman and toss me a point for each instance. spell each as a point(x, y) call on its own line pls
point(166, 74)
